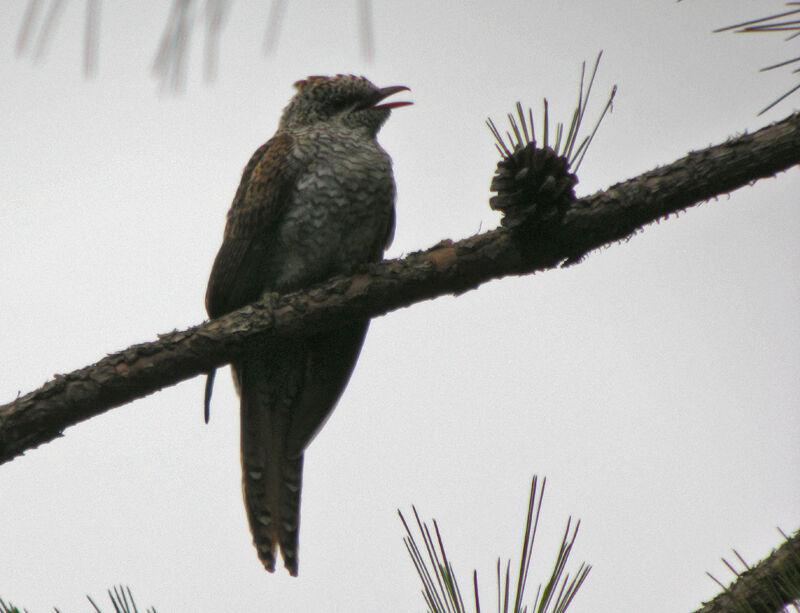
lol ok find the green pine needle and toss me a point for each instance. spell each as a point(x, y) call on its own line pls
point(779, 22)
point(568, 145)
point(121, 599)
point(440, 588)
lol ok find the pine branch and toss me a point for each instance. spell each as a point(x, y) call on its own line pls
point(764, 588)
point(447, 268)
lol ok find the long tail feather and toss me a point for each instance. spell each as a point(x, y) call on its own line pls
point(271, 480)
point(287, 394)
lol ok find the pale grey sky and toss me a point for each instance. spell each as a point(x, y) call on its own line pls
point(655, 384)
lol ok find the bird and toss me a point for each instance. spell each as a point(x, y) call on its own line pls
point(316, 200)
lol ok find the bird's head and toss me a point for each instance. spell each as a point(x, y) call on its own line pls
point(351, 101)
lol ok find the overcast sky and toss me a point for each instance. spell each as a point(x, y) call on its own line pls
point(655, 384)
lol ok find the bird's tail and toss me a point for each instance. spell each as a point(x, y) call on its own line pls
point(287, 393)
point(271, 480)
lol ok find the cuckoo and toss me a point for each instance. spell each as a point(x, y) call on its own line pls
point(316, 200)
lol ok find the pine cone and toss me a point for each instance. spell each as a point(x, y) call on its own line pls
point(533, 187)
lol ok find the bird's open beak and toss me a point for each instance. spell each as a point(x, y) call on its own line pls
point(382, 94)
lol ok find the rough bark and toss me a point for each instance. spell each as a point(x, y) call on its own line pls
point(447, 268)
point(766, 587)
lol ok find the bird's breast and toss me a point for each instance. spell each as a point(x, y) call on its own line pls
point(338, 212)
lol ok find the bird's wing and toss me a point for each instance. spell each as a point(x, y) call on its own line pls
point(328, 362)
point(388, 235)
point(237, 277)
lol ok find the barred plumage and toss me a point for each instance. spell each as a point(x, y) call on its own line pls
point(316, 200)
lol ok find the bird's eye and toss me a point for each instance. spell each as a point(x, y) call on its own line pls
point(342, 102)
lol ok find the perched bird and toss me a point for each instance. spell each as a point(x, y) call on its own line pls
point(314, 201)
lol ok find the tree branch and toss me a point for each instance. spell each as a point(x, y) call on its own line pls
point(766, 587)
point(448, 267)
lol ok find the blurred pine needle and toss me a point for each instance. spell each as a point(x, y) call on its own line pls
point(7, 607)
point(171, 61)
